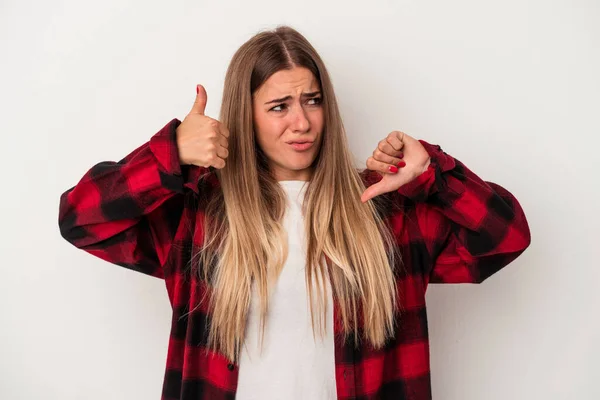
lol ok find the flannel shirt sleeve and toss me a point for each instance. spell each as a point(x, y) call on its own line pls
point(472, 228)
point(127, 212)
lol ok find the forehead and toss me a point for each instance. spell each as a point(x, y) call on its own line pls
point(288, 82)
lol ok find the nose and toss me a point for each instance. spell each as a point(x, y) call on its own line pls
point(299, 121)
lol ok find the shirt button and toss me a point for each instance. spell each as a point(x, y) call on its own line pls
point(230, 367)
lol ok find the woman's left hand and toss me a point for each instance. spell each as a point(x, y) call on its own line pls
point(399, 158)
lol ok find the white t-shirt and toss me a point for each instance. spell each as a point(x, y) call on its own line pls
point(293, 364)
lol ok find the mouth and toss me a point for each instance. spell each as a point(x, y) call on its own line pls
point(301, 145)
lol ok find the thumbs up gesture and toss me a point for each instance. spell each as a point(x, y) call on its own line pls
point(399, 158)
point(201, 140)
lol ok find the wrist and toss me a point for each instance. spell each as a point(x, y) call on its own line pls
point(426, 165)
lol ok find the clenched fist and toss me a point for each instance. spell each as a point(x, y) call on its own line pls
point(397, 150)
point(201, 140)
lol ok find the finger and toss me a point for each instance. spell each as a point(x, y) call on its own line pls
point(395, 140)
point(374, 190)
point(223, 130)
point(387, 148)
point(218, 163)
point(223, 141)
point(200, 102)
point(219, 128)
point(379, 155)
point(222, 152)
point(381, 167)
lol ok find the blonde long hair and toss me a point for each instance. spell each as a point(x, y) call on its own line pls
point(244, 240)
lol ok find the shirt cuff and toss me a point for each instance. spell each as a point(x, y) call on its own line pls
point(164, 147)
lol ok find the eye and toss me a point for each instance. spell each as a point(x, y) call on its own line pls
point(317, 101)
point(278, 106)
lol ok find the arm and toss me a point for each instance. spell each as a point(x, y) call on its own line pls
point(127, 212)
point(473, 228)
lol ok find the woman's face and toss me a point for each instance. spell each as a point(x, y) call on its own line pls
point(288, 121)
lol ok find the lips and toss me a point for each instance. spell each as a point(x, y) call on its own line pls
point(301, 145)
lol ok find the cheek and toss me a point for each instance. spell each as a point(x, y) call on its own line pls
point(317, 121)
point(268, 132)
point(317, 116)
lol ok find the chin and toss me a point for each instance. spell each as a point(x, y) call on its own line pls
point(297, 167)
point(302, 165)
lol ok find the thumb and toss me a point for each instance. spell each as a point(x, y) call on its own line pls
point(372, 191)
point(200, 102)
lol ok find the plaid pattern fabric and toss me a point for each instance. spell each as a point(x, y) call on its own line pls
point(145, 213)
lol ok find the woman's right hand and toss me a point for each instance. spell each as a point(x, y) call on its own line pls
point(201, 140)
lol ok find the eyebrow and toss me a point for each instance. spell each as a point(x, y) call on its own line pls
point(286, 98)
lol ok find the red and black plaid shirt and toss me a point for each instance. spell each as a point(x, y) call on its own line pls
point(145, 211)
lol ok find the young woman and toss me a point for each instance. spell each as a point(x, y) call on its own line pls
point(292, 275)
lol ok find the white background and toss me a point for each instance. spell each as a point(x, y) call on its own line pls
point(510, 88)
